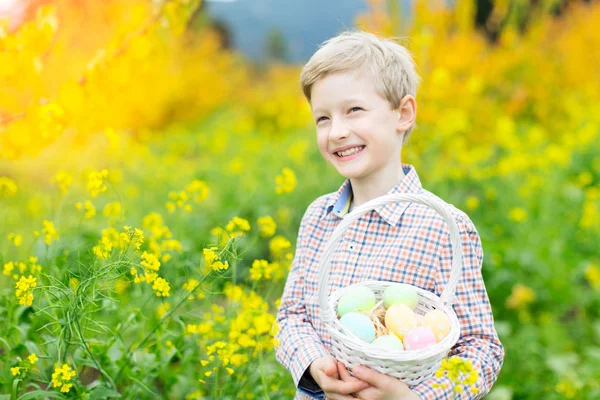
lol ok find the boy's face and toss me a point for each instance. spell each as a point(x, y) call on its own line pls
point(348, 112)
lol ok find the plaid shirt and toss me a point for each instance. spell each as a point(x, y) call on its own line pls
point(400, 242)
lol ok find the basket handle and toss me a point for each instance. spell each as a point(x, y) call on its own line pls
point(447, 296)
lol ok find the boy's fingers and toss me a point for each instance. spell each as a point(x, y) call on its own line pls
point(335, 396)
point(345, 375)
point(336, 386)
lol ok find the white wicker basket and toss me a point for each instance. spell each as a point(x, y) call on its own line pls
point(410, 366)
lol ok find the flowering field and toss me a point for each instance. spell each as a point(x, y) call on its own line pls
point(152, 184)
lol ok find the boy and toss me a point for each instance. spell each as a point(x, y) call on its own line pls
point(362, 90)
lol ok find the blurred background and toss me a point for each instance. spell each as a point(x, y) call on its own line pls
point(156, 158)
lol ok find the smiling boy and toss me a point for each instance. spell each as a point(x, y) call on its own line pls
point(362, 91)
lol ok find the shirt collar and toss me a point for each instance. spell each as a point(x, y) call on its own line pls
point(339, 201)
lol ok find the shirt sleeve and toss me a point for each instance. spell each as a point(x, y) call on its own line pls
point(310, 387)
point(478, 341)
point(298, 342)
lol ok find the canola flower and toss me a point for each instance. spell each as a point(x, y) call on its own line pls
point(237, 227)
point(63, 180)
point(8, 187)
point(24, 290)
point(460, 373)
point(88, 207)
point(161, 287)
point(112, 210)
point(520, 297)
point(266, 226)
point(62, 376)
point(592, 274)
point(132, 237)
point(262, 269)
point(16, 239)
point(96, 182)
point(286, 182)
point(279, 246)
point(25, 365)
point(49, 232)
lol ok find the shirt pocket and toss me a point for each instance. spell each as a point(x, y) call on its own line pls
point(401, 262)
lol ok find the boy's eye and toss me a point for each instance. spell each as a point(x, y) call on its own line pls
point(352, 109)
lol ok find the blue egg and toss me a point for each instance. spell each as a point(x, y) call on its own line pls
point(360, 325)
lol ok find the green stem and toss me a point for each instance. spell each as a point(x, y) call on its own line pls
point(262, 372)
point(87, 349)
point(164, 318)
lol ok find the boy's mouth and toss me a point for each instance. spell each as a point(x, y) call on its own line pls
point(349, 152)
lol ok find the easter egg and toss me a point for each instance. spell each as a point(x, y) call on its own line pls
point(360, 325)
point(356, 298)
point(399, 319)
point(438, 322)
point(419, 338)
point(388, 342)
point(400, 293)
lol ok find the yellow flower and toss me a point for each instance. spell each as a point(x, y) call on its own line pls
point(460, 372)
point(17, 239)
point(64, 180)
point(97, 182)
point(218, 265)
point(32, 358)
point(15, 371)
point(161, 287)
point(278, 246)
point(62, 376)
point(517, 214)
point(472, 202)
point(49, 232)
point(237, 227)
point(8, 187)
point(112, 210)
point(210, 255)
point(198, 190)
point(133, 237)
point(267, 226)
point(162, 309)
point(90, 210)
point(150, 262)
point(8, 268)
point(592, 274)
point(24, 290)
point(520, 297)
point(286, 182)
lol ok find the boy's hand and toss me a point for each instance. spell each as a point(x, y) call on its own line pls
point(325, 372)
point(381, 387)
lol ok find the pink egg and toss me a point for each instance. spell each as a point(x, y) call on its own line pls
point(419, 338)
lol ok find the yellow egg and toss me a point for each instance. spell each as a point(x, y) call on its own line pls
point(399, 319)
point(438, 322)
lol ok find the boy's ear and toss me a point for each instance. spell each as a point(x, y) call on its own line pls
point(407, 113)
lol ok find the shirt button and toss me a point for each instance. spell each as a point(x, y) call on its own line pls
point(351, 247)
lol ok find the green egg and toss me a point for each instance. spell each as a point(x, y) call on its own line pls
point(400, 293)
point(356, 298)
point(388, 342)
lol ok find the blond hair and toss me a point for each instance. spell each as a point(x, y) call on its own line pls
point(389, 64)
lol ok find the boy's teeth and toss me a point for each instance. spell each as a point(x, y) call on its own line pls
point(349, 151)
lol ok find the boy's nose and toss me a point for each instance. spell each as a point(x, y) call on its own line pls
point(338, 131)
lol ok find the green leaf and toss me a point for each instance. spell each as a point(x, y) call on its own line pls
point(40, 394)
point(102, 392)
